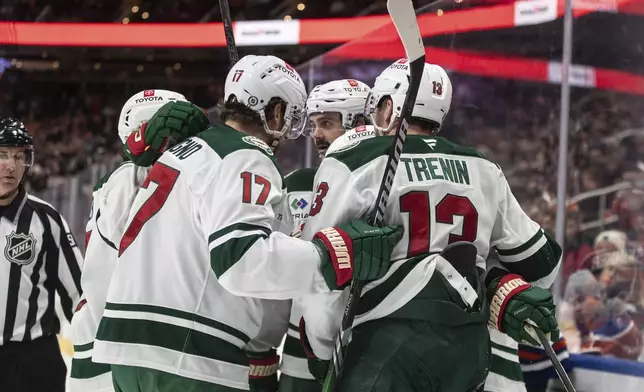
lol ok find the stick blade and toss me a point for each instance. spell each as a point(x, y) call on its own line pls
point(404, 17)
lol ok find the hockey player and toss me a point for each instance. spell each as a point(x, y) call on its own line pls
point(112, 199)
point(199, 255)
point(422, 327)
point(332, 109)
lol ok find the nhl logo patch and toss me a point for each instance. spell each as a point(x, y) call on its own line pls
point(20, 248)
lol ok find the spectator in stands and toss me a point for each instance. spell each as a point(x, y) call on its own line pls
point(576, 250)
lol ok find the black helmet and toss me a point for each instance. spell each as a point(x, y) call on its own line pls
point(14, 134)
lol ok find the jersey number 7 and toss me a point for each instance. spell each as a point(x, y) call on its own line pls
point(165, 177)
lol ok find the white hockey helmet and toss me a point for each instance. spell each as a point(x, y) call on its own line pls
point(344, 96)
point(434, 95)
point(141, 107)
point(255, 80)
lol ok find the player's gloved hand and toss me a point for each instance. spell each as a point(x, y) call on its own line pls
point(262, 376)
point(317, 367)
point(355, 250)
point(172, 123)
point(517, 308)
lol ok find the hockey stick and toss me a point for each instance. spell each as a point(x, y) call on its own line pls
point(404, 18)
point(228, 31)
point(561, 372)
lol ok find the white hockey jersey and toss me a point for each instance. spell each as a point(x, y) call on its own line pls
point(112, 199)
point(199, 244)
point(299, 188)
point(441, 193)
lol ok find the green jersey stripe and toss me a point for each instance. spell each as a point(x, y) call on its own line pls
point(226, 255)
point(237, 227)
point(85, 368)
point(505, 368)
point(83, 347)
point(172, 337)
point(108, 242)
point(536, 267)
point(180, 314)
point(375, 296)
point(521, 248)
point(293, 347)
point(509, 350)
point(367, 150)
point(224, 140)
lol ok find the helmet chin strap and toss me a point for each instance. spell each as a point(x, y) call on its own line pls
point(384, 130)
point(277, 141)
point(276, 137)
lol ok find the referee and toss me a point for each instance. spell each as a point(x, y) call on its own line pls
point(39, 259)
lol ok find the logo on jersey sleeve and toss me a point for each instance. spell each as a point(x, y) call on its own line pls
point(20, 248)
point(253, 141)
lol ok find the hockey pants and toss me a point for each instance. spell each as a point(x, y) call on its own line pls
point(138, 379)
point(434, 343)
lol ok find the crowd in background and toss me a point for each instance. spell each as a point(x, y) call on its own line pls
point(515, 123)
point(517, 126)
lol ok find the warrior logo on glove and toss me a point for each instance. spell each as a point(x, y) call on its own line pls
point(341, 252)
point(517, 308)
point(355, 250)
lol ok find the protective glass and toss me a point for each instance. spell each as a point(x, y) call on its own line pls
point(298, 122)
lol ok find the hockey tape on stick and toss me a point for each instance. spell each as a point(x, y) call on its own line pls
point(404, 18)
point(561, 372)
point(233, 56)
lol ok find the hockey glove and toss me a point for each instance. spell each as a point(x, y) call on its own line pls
point(172, 123)
point(317, 367)
point(517, 307)
point(262, 376)
point(355, 250)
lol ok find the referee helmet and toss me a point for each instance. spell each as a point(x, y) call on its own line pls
point(14, 134)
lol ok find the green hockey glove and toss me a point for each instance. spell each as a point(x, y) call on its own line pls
point(517, 307)
point(317, 367)
point(262, 376)
point(355, 250)
point(171, 124)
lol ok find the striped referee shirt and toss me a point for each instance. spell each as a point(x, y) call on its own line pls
point(39, 259)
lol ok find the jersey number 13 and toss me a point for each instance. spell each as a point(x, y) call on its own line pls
point(418, 207)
